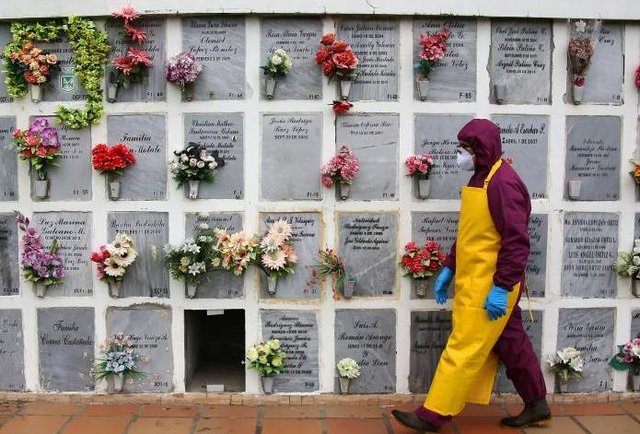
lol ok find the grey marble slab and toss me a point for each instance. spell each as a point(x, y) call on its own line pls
point(298, 333)
point(11, 351)
point(222, 133)
point(306, 237)
point(376, 43)
point(73, 232)
point(63, 85)
point(441, 227)
point(369, 338)
point(521, 60)
point(605, 76)
point(373, 138)
point(218, 283)
point(149, 327)
point(438, 136)
point(593, 156)
point(71, 180)
point(9, 158)
point(291, 145)
point(635, 323)
point(590, 249)
point(66, 348)
point(299, 37)
point(636, 233)
point(590, 331)
point(146, 136)
point(429, 334)
point(154, 86)
point(537, 260)
point(454, 77)
point(220, 47)
point(369, 247)
point(9, 267)
point(147, 276)
point(5, 38)
point(533, 327)
point(525, 140)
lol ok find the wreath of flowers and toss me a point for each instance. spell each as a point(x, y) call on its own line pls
point(91, 50)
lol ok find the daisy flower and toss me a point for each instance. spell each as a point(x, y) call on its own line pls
point(282, 228)
point(271, 242)
point(274, 260)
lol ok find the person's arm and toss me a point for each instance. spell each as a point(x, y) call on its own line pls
point(450, 260)
point(510, 206)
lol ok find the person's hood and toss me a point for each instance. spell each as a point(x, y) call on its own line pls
point(484, 137)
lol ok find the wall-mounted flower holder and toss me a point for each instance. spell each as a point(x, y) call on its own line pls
point(577, 94)
point(344, 88)
point(115, 289)
point(635, 287)
point(36, 92)
point(561, 385)
point(270, 87)
point(115, 383)
point(575, 185)
point(421, 287)
point(348, 287)
point(344, 385)
point(634, 381)
point(112, 84)
point(500, 93)
point(40, 289)
point(41, 184)
point(187, 92)
point(343, 190)
point(113, 187)
point(267, 385)
point(423, 88)
point(423, 186)
point(194, 189)
point(191, 289)
point(272, 284)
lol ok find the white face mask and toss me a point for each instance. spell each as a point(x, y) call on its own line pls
point(465, 160)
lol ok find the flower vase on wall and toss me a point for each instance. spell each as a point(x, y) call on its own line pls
point(343, 190)
point(41, 184)
point(344, 88)
point(36, 92)
point(115, 383)
point(344, 385)
point(423, 186)
point(561, 385)
point(348, 288)
point(194, 188)
point(272, 283)
point(423, 88)
point(41, 289)
point(191, 289)
point(112, 83)
point(634, 379)
point(575, 185)
point(267, 385)
point(187, 92)
point(500, 93)
point(577, 90)
point(635, 287)
point(270, 87)
point(113, 184)
point(421, 287)
point(115, 289)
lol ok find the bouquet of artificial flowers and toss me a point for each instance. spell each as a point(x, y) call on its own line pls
point(118, 358)
point(267, 358)
point(278, 64)
point(433, 47)
point(566, 364)
point(635, 173)
point(330, 265)
point(194, 163)
point(628, 356)
point(342, 168)
point(183, 69)
point(234, 252)
point(39, 146)
point(277, 254)
point(628, 263)
point(421, 263)
point(348, 368)
point(189, 260)
point(112, 160)
point(581, 48)
point(134, 65)
point(30, 64)
point(336, 58)
point(114, 258)
point(419, 165)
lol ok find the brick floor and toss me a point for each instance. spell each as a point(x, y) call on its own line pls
point(97, 425)
point(161, 425)
point(225, 426)
point(32, 424)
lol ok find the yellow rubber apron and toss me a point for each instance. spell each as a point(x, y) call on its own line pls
point(467, 367)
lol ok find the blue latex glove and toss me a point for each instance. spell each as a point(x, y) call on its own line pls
point(496, 304)
point(442, 283)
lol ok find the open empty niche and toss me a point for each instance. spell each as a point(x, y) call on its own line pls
point(214, 350)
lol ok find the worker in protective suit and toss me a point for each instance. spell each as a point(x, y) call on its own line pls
point(488, 260)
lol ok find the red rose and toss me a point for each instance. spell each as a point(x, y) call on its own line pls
point(322, 54)
point(31, 79)
point(16, 134)
point(340, 46)
point(44, 69)
point(343, 106)
point(328, 38)
point(328, 67)
point(345, 60)
point(27, 153)
point(97, 257)
point(579, 81)
point(41, 152)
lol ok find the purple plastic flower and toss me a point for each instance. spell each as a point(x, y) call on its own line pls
point(38, 125)
point(50, 138)
point(183, 69)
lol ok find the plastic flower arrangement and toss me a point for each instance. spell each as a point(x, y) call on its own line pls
point(628, 356)
point(39, 265)
point(278, 64)
point(635, 173)
point(419, 165)
point(277, 254)
point(421, 263)
point(194, 163)
point(336, 58)
point(183, 69)
point(234, 252)
point(112, 160)
point(114, 258)
point(330, 265)
point(188, 261)
point(118, 358)
point(581, 48)
point(39, 146)
point(433, 47)
point(566, 364)
point(348, 368)
point(134, 65)
point(31, 64)
point(628, 263)
point(342, 168)
point(341, 106)
point(267, 358)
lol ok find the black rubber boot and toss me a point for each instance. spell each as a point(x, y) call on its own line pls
point(534, 413)
point(411, 420)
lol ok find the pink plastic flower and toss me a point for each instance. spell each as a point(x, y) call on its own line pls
point(128, 13)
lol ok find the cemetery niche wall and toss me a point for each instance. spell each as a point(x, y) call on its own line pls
point(573, 160)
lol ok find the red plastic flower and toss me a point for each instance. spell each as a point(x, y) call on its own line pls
point(322, 55)
point(340, 46)
point(128, 13)
point(137, 35)
point(345, 61)
point(579, 81)
point(139, 56)
point(342, 106)
point(328, 38)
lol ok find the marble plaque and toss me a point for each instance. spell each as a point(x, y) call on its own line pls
point(605, 76)
point(65, 345)
point(438, 136)
point(369, 338)
point(525, 141)
point(298, 333)
point(5, 38)
point(376, 43)
point(9, 158)
point(521, 60)
point(636, 232)
point(454, 77)
point(222, 133)
point(593, 156)
point(590, 249)
point(533, 327)
point(537, 260)
point(147, 276)
point(373, 138)
point(429, 334)
point(218, 283)
point(9, 267)
point(149, 327)
point(291, 145)
point(73, 232)
point(442, 227)
point(154, 86)
point(590, 331)
point(368, 245)
point(635, 323)
point(306, 238)
point(11, 351)
point(63, 85)
point(71, 180)
point(220, 47)
point(146, 136)
point(299, 38)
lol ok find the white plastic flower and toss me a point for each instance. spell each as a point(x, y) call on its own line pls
point(581, 26)
point(200, 164)
point(348, 368)
point(203, 226)
point(193, 162)
point(184, 158)
point(252, 354)
point(212, 166)
point(280, 52)
point(276, 60)
point(288, 63)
